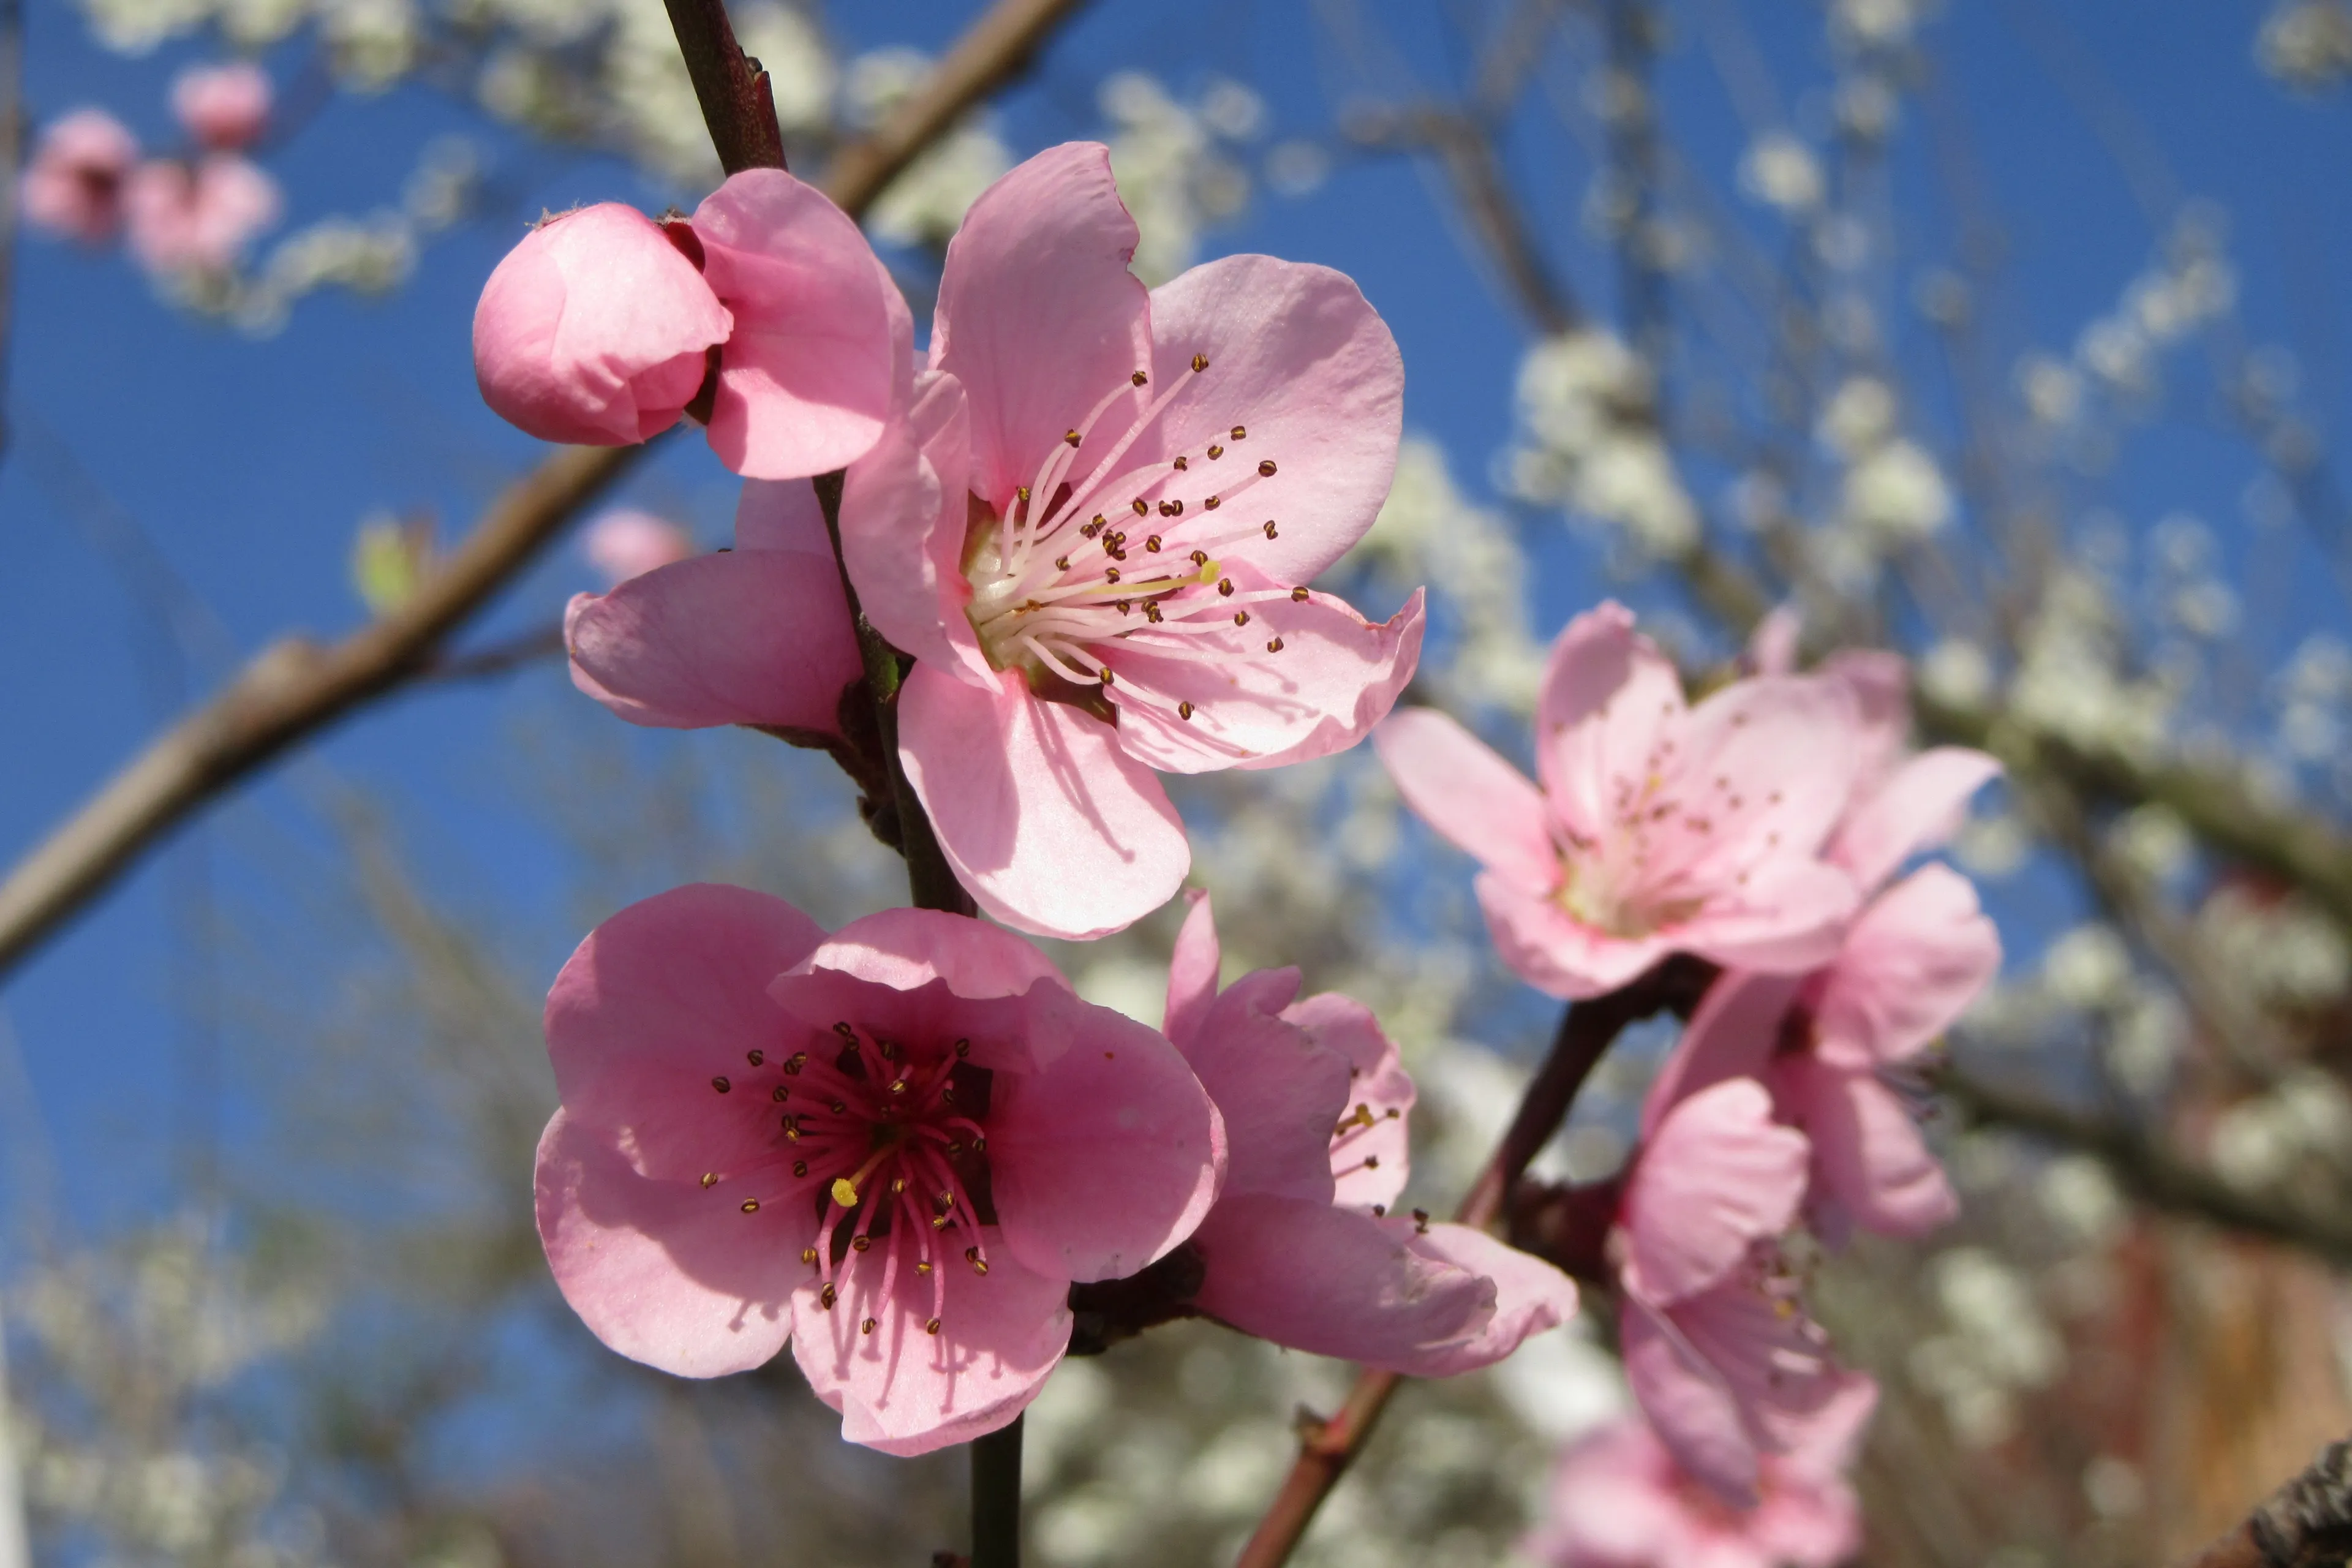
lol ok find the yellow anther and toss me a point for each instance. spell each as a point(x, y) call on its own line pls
point(845, 1192)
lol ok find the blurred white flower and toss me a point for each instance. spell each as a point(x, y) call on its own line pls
point(1780, 171)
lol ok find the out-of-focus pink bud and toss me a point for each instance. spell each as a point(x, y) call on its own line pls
point(197, 217)
point(595, 330)
point(224, 107)
point(74, 185)
point(625, 543)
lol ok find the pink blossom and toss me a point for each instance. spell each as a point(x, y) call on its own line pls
point(1092, 524)
point(898, 1146)
point(73, 186)
point(1716, 1346)
point(1619, 1500)
point(224, 107)
point(627, 544)
point(603, 328)
point(1659, 828)
point(1300, 1248)
point(760, 635)
point(1833, 1045)
point(200, 216)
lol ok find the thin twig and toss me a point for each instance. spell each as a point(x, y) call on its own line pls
point(1587, 1029)
point(294, 688)
point(2153, 1174)
point(2306, 1524)
point(738, 103)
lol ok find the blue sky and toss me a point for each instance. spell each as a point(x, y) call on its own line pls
point(249, 464)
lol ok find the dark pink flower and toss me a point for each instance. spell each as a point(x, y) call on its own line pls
point(601, 327)
point(200, 216)
point(1093, 525)
point(1300, 1248)
point(898, 1146)
point(1659, 828)
point(1716, 1345)
point(73, 186)
point(1619, 1500)
point(224, 107)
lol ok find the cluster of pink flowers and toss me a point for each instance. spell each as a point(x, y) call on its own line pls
point(1090, 514)
point(1088, 517)
point(190, 212)
point(1761, 829)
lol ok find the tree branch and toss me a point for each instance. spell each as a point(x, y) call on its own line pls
point(2153, 1174)
point(294, 688)
point(1587, 1029)
point(2306, 1524)
point(739, 104)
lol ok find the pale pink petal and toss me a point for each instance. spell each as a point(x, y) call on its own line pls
point(1334, 1282)
point(660, 1001)
point(805, 380)
point(782, 515)
point(1918, 808)
point(1299, 361)
point(1106, 1160)
point(1370, 1158)
point(74, 185)
point(1333, 678)
point(903, 949)
point(1616, 1502)
point(1192, 968)
point(625, 543)
point(1278, 1091)
point(1465, 792)
point(661, 1270)
point(1557, 954)
point(1609, 698)
point(1789, 914)
point(1804, 1522)
point(1530, 1295)
point(1765, 766)
point(1772, 1360)
point(1914, 961)
point(1828, 1442)
point(1772, 646)
point(1715, 1177)
point(1871, 1168)
point(904, 509)
point(1733, 1035)
point(1690, 1405)
point(595, 330)
point(1038, 315)
point(906, 1391)
point(1052, 828)
point(749, 636)
point(1880, 684)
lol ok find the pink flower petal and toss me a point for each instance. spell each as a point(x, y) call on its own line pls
point(1773, 1366)
point(1918, 808)
point(1370, 1158)
point(782, 515)
point(1278, 1091)
point(658, 1001)
point(1733, 1035)
point(224, 107)
point(1193, 967)
point(805, 380)
point(1880, 685)
point(1714, 1178)
point(1465, 792)
point(1772, 646)
point(1871, 1167)
point(906, 1391)
point(1557, 954)
point(1334, 1282)
point(1105, 1161)
point(1038, 315)
point(1051, 826)
point(1607, 698)
point(753, 636)
point(595, 330)
point(74, 185)
point(661, 1270)
point(1789, 915)
point(1299, 361)
point(1690, 1404)
point(1530, 1295)
point(1766, 765)
point(1914, 961)
point(1334, 676)
point(904, 509)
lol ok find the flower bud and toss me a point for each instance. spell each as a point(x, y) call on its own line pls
point(74, 185)
point(224, 107)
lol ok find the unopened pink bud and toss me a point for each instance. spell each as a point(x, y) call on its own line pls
point(625, 545)
point(224, 107)
point(595, 330)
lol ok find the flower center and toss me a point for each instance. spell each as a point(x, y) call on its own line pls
point(1094, 554)
point(887, 1142)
